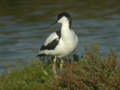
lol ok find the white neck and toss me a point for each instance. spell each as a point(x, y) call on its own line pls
point(65, 26)
point(65, 30)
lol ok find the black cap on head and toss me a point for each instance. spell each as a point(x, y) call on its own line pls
point(63, 14)
point(66, 15)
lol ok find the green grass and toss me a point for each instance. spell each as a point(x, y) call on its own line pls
point(91, 72)
point(32, 77)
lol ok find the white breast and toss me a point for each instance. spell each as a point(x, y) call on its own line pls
point(67, 45)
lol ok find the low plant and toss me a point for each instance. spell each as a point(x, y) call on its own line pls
point(89, 72)
point(92, 72)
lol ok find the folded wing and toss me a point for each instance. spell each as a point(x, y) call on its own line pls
point(51, 42)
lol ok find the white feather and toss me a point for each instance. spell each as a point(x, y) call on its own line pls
point(52, 37)
point(67, 43)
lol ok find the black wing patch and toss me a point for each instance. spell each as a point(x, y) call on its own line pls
point(51, 45)
point(58, 33)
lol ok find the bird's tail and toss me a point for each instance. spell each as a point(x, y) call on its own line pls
point(40, 55)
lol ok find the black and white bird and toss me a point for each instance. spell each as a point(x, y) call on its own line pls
point(63, 42)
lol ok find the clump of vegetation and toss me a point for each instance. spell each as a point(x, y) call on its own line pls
point(35, 76)
point(89, 72)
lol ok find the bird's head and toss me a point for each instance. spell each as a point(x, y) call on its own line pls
point(64, 17)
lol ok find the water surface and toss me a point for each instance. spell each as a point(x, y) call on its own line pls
point(22, 22)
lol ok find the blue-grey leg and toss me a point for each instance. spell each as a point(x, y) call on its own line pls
point(61, 64)
point(54, 65)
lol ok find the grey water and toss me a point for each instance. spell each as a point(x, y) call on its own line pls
point(22, 23)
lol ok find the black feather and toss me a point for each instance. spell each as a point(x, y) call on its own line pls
point(66, 15)
point(39, 55)
point(58, 33)
point(51, 45)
